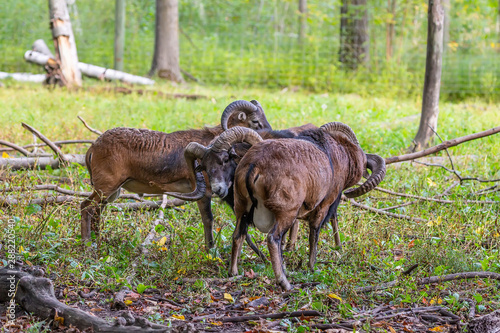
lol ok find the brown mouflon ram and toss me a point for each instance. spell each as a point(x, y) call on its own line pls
point(146, 161)
point(279, 180)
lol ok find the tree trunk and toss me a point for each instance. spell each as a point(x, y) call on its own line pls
point(433, 64)
point(302, 20)
point(166, 54)
point(354, 39)
point(64, 42)
point(389, 34)
point(119, 33)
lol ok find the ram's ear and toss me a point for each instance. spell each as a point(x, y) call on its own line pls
point(237, 151)
point(242, 116)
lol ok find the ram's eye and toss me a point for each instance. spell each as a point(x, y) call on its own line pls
point(199, 168)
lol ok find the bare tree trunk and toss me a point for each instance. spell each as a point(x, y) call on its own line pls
point(119, 33)
point(166, 55)
point(64, 42)
point(389, 33)
point(354, 38)
point(302, 20)
point(433, 65)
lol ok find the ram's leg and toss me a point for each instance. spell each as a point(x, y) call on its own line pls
point(313, 244)
point(336, 234)
point(239, 235)
point(292, 236)
point(90, 211)
point(332, 213)
point(208, 221)
point(255, 248)
point(274, 243)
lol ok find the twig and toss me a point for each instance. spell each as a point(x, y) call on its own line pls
point(379, 211)
point(51, 187)
point(409, 270)
point(213, 280)
point(145, 205)
point(89, 295)
point(487, 190)
point(433, 199)
point(307, 313)
point(88, 127)
point(444, 145)
point(49, 143)
point(15, 147)
point(57, 143)
point(434, 279)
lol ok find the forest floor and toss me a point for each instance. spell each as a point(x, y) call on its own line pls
point(178, 283)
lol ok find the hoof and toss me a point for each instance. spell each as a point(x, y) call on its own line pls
point(233, 273)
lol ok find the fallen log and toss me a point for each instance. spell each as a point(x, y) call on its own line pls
point(64, 199)
point(23, 77)
point(23, 163)
point(90, 70)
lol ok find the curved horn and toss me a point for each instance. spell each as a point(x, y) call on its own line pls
point(335, 126)
point(234, 135)
point(257, 104)
point(193, 151)
point(235, 106)
point(377, 165)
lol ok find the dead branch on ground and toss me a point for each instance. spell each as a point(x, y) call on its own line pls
point(434, 279)
point(88, 127)
point(442, 146)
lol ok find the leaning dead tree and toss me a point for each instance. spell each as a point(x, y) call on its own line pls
point(432, 83)
point(64, 42)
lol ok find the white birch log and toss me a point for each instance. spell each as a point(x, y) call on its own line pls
point(23, 77)
point(91, 70)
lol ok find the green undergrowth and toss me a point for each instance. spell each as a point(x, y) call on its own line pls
point(454, 238)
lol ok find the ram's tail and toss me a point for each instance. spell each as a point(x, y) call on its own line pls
point(88, 159)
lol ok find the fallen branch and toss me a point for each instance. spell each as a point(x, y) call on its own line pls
point(88, 127)
point(133, 206)
point(52, 187)
point(391, 313)
point(442, 146)
point(15, 147)
point(57, 143)
point(239, 319)
point(22, 163)
point(379, 211)
point(59, 154)
point(434, 279)
point(213, 280)
point(420, 198)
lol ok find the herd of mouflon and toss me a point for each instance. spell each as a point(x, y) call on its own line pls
point(270, 178)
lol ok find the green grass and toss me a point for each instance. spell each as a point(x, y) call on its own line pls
point(451, 242)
